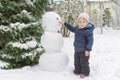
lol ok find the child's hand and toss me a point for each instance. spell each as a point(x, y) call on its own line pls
point(61, 23)
point(87, 53)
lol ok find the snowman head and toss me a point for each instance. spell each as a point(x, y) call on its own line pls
point(50, 21)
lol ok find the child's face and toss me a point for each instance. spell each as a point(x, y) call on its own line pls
point(82, 22)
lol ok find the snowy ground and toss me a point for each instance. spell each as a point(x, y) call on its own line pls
point(104, 61)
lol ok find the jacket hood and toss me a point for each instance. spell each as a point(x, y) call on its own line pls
point(90, 26)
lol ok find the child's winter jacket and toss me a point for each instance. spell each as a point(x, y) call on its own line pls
point(83, 37)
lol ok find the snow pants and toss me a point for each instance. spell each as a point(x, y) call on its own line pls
point(81, 63)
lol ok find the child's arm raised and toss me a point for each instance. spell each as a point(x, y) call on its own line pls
point(70, 27)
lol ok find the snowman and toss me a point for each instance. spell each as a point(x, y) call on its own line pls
point(54, 59)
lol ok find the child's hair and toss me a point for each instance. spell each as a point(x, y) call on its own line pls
point(83, 15)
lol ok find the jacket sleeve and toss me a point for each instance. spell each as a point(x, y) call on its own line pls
point(89, 37)
point(70, 27)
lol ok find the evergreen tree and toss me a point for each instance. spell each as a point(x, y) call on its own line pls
point(20, 32)
point(107, 18)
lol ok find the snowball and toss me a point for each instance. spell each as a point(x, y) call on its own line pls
point(52, 41)
point(56, 61)
point(50, 22)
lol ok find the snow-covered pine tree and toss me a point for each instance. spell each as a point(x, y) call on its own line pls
point(20, 32)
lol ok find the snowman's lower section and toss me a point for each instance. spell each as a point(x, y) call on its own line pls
point(54, 61)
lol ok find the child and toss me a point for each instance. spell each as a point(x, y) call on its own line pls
point(82, 44)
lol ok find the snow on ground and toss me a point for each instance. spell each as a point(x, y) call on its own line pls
point(104, 61)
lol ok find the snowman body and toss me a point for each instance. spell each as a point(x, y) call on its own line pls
point(53, 59)
point(52, 41)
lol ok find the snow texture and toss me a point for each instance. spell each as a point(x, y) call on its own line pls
point(27, 45)
point(29, 2)
point(99, 0)
point(58, 0)
point(1, 5)
point(54, 61)
point(52, 41)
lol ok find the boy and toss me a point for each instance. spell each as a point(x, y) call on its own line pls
point(82, 44)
